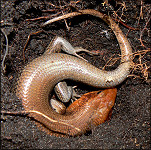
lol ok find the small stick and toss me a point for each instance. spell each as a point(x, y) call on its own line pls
point(15, 112)
point(6, 52)
point(29, 36)
point(141, 34)
point(43, 17)
point(129, 27)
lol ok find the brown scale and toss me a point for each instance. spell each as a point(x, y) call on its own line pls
point(100, 102)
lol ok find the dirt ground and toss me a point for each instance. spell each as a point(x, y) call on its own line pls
point(129, 126)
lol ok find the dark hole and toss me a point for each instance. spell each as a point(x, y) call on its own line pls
point(88, 133)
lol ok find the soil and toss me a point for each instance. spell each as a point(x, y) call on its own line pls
point(129, 126)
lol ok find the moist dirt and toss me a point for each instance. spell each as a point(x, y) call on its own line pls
point(129, 125)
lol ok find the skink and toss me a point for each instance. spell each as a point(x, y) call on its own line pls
point(41, 75)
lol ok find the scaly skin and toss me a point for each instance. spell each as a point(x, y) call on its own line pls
point(43, 73)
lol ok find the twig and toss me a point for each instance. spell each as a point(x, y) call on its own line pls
point(120, 20)
point(65, 20)
point(141, 34)
point(142, 67)
point(112, 61)
point(39, 18)
point(6, 52)
point(43, 17)
point(63, 14)
point(141, 12)
point(29, 36)
point(15, 112)
point(129, 27)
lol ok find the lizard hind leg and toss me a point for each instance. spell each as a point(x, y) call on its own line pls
point(59, 43)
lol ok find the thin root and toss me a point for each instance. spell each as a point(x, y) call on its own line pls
point(6, 52)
